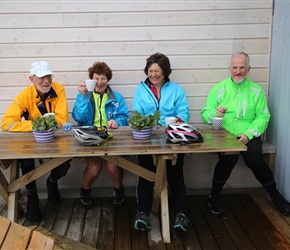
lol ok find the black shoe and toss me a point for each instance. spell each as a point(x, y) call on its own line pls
point(33, 210)
point(181, 222)
point(53, 195)
point(216, 204)
point(119, 197)
point(86, 200)
point(281, 204)
point(141, 222)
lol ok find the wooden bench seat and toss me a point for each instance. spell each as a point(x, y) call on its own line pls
point(269, 152)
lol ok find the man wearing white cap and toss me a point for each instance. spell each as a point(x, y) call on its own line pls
point(43, 96)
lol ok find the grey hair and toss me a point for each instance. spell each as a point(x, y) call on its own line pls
point(241, 53)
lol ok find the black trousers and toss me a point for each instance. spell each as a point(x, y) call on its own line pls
point(27, 165)
point(253, 159)
point(175, 180)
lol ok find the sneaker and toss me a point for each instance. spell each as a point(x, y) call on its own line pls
point(53, 195)
point(141, 222)
point(181, 222)
point(86, 199)
point(119, 197)
point(281, 204)
point(216, 205)
point(33, 210)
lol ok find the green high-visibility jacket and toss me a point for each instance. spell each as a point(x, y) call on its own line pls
point(247, 112)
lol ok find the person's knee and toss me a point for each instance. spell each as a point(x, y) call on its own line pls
point(27, 165)
point(254, 158)
point(114, 171)
point(93, 170)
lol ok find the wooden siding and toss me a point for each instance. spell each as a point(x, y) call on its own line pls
point(197, 36)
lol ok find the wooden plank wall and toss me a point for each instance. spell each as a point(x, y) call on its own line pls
point(197, 36)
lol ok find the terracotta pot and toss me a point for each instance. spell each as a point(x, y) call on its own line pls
point(44, 136)
point(142, 134)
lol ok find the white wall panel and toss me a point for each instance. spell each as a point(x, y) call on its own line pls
point(279, 89)
point(198, 37)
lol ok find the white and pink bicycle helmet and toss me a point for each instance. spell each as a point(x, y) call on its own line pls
point(182, 133)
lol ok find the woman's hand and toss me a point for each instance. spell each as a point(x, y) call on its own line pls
point(112, 124)
point(82, 87)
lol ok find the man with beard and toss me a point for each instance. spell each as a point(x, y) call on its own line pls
point(41, 97)
point(242, 104)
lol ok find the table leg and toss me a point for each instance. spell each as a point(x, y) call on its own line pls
point(161, 194)
point(165, 211)
point(3, 187)
point(12, 197)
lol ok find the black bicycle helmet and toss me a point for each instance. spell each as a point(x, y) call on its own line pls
point(91, 135)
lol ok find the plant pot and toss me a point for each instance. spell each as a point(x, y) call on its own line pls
point(44, 136)
point(142, 134)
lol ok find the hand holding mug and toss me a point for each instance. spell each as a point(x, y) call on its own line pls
point(220, 111)
point(82, 87)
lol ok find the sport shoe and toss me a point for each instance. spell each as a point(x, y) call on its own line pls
point(281, 204)
point(119, 197)
point(33, 210)
point(53, 195)
point(181, 222)
point(86, 200)
point(141, 222)
point(216, 205)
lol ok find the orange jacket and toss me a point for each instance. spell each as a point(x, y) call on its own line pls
point(25, 104)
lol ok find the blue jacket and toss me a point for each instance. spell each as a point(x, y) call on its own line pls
point(173, 101)
point(115, 108)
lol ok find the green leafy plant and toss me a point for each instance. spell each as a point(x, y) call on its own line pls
point(139, 122)
point(44, 123)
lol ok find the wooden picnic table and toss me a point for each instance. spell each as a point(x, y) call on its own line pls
point(15, 146)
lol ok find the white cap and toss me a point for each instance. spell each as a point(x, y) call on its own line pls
point(40, 69)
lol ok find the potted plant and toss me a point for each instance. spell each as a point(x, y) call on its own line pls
point(142, 124)
point(43, 128)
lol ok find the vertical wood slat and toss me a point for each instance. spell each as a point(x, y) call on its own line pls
point(39, 241)
point(4, 228)
point(17, 238)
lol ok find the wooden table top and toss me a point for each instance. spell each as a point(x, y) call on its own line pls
point(23, 145)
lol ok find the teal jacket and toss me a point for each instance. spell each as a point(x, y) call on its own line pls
point(115, 108)
point(173, 101)
point(247, 112)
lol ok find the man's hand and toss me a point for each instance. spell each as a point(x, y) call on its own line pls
point(243, 138)
point(82, 88)
point(220, 111)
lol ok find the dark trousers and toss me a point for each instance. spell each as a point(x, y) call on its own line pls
point(175, 180)
point(253, 159)
point(27, 165)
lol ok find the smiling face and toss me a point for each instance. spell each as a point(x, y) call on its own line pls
point(155, 75)
point(102, 83)
point(239, 68)
point(42, 84)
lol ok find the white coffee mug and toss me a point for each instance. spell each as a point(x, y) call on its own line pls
point(217, 123)
point(170, 120)
point(90, 84)
point(48, 114)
